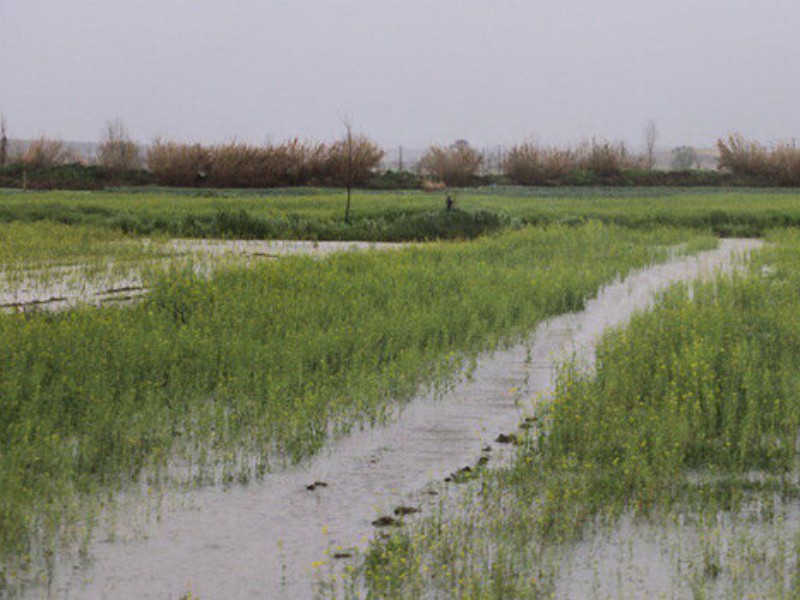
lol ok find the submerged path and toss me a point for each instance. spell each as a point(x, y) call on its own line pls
point(268, 540)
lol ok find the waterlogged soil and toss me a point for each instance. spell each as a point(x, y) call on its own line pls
point(750, 554)
point(60, 287)
point(277, 538)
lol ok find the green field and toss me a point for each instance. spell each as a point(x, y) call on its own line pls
point(252, 367)
point(396, 216)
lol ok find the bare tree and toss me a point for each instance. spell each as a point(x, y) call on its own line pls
point(650, 138)
point(117, 152)
point(352, 160)
point(3, 141)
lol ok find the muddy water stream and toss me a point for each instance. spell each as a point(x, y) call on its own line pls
point(267, 540)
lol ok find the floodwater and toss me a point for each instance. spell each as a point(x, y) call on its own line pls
point(276, 248)
point(747, 554)
point(64, 286)
point(272, 538)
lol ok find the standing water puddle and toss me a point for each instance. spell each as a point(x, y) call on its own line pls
point(267, 540)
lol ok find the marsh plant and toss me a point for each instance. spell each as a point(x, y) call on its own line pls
point(255, 368)
point(680, 441)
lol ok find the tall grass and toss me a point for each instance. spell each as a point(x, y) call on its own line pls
point(173, 163)
point(44, 153)
point(532, 164)
point(609, 159)
point(454, 165)
point(117, 152)
point(264, 363)
point(779, 164)
point(238, 164)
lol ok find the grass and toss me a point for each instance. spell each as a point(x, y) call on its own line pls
point(396, 216)
point(25, 245)
point(681, 443)
point(254, 368)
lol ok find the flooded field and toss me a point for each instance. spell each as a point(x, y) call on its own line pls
point(61, 286)
point(279, 537)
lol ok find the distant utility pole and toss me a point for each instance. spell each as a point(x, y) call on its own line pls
point(400, 160)
point(650, 138)
point(3, 141)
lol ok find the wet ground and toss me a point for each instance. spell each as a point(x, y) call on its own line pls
point(67, 285)
point(267, 540)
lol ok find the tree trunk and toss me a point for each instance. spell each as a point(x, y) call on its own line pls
point(347, 208)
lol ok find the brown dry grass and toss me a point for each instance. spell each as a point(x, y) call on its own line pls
point(454, 165)
point(117, 152)
point(530, 164)
point(45, 153)
point(237, 164)
point(608, 158)
point(173, 163)
point(780, 163)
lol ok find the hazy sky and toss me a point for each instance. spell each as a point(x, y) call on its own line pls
point(404, 71)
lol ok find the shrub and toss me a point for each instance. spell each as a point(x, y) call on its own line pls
point(608, 159)
point(743, 157)
point(785, 162)
point(239, 165)
point(529, 164)
point(117, 152)
point(173, 163)
point(454, 165)
point(779, 164)
point(46, 153)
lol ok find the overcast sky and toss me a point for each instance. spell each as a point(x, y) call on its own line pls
point(404, 71)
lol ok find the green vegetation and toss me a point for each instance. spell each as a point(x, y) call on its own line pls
point(251, 368)
point(397, 216)
point(219, 377)
point(25, 245)
point(687, 424)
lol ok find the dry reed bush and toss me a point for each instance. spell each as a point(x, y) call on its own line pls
point(300, 163)
point(239, 165)
point(117, 152)
point(289, 163)
point(608, 158)
point(529, 164)
point(780, 163)
point(785, 161)
point(453, 165)
point(173, 163)
point(313, 166)
point(46, 153)
point(743, 157)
